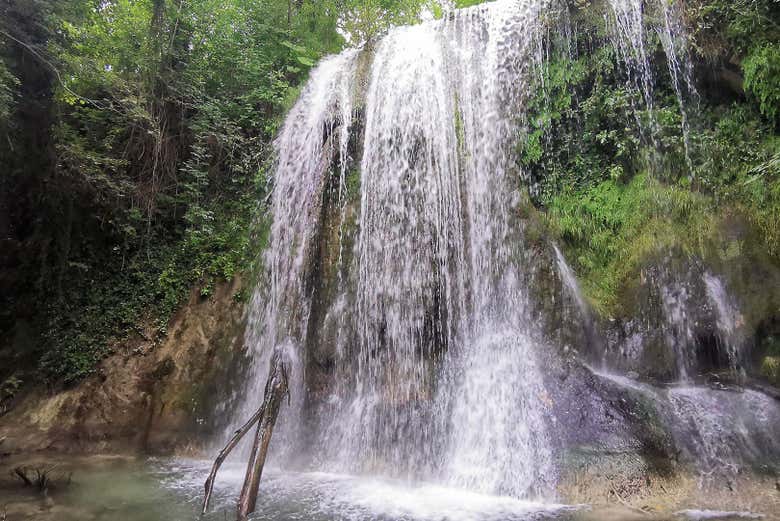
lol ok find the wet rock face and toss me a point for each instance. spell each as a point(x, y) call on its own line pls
point(569, 329)
point(599, 422)
point(682, 320)
point(153, 395)
point(330, 278)
point(684, 315)
point(676, 323)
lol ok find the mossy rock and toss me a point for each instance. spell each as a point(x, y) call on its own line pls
point(770, 369)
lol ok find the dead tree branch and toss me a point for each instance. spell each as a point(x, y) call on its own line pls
point(276, 388)
point(209, 486)
point(22, 474)
point(43, 478)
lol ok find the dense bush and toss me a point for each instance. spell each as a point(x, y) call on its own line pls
point(614, 176)
point(762, 78)
point(611, 227)
point(161, 117)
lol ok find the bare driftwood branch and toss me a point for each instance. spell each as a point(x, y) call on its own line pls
point(43, 478)
point(275, 389)
point(209, 486)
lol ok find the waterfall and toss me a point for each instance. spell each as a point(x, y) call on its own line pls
point(721, 432)
point(570, 283)
point(678, 325)
point(728, 320)
point(434, 275)
point(629, 38)
point(684, 303)
point(435, 371)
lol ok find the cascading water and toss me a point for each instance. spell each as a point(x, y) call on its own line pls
point(630, 37)
point(728, 320)
point(432, 313)
point(434, 277)
point(571, 284)
point(685, 303)
point(675, 304)
point(722, 432)
point(674, 39)
point(314, 133)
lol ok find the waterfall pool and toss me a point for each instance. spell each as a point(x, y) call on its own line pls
point(126, 489)
point(129, 489)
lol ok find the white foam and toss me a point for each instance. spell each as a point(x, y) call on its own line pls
point(322, 495)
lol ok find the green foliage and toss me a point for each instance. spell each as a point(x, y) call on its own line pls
point(739, 164)
point(746, 31)
point(762, 78)
point(364, 20)
point(725, 26)
point(611, 227)
point(353, 184)
point(164, 114)
point(157, 129)
point(8, 388)
point(771, 346)
point(468, 3)
point(558, 79)
point(610, 224)
point(198, 91)
point(613, 177)
point(770, 369)
point(583, 128)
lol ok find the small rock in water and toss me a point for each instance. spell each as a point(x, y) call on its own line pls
point(633, 375)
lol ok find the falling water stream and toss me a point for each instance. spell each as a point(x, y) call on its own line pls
point(728, 320)
point(432, 309)
point(630, 35)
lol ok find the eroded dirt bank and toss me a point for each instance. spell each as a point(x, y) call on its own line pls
point(157, 395)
